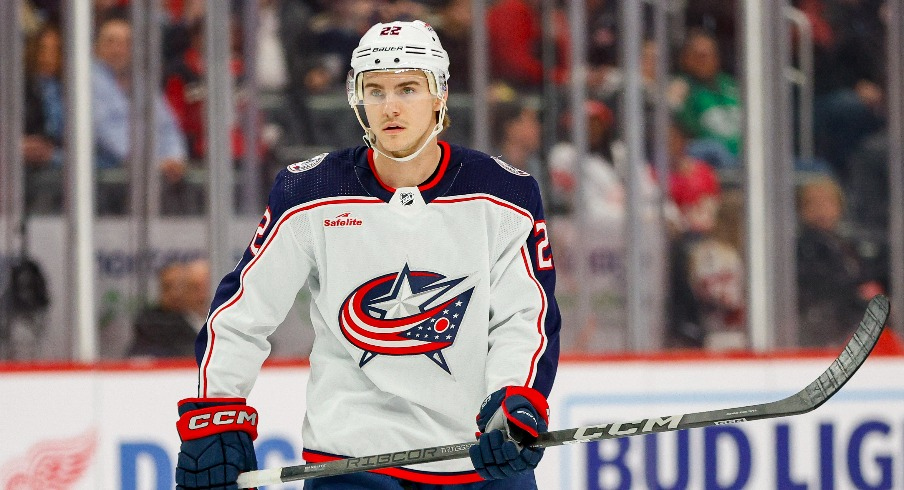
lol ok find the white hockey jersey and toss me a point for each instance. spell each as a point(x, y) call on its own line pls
point(424, 300)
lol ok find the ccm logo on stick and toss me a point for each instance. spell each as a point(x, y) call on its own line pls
point(625, 429)
point(225, 417)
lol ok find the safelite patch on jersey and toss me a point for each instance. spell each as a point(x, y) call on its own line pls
point(405, 313)
point(343, 220)
point(306, 165)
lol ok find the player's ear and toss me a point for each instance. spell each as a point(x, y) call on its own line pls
point(439, 101)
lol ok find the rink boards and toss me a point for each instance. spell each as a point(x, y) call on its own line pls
point(114, 426)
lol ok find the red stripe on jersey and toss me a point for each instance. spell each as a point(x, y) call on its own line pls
point(443, 165)
point(533, 363)
point(483, 197)
point(403, 473)
point(260, 253)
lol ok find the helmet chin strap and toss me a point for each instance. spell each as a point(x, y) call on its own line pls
point(369, 137)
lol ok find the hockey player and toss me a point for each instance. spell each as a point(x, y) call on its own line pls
point(432, 281)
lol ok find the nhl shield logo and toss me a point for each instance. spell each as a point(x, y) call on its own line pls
point(406, 198)
point(405, 313)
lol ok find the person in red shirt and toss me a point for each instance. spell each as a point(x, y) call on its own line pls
point(516, 34)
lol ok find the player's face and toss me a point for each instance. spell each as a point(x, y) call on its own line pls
point(400, 109)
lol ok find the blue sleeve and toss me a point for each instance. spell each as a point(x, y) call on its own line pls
point(544, 269)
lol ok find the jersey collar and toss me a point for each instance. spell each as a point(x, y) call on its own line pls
point(432, 187)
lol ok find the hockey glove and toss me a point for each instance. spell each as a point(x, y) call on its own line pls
point(510, 420)
point(217, 435)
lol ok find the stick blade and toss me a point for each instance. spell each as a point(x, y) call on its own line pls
point(855, 353)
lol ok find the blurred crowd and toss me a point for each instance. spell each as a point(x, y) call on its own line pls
point(300, 60)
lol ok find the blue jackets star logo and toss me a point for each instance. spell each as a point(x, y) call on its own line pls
point(405, 313)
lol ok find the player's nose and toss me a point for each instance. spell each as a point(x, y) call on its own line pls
point(392, 106)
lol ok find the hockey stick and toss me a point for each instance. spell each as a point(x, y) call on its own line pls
point(809, 398)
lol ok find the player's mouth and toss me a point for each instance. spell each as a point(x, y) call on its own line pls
point(393, 128)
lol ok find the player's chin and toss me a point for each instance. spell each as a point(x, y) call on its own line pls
point(398, 147)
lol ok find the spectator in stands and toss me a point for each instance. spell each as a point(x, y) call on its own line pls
point(111, 88)
point(516, 132)
point(337, 31)
point(593, 243)
point(164, 329)
point(849, 65)
point(720, 279)
point(184, 86)
point(707, 102)
point(605, 192)
point(197, 292)
point(285, 53)
point(691, 180)
point(602, 34)
point(24, 302)
point(454, 28)
point(42, 145)
point(706, 271)
point(607, 83)
point(720, 19)
point(516, 32)
point(605, 76)
point(833, 289)
point(867, 188)
point(178, 17)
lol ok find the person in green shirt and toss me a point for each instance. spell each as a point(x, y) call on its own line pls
point(707, 103)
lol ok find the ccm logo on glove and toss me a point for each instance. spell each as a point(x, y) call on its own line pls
point(203, 422)
point(224, 417)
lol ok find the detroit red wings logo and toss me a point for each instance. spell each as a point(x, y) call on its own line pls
point(405, 313)
point(51, 465)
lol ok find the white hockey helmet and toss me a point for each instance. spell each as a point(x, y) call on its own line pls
point(399, 46)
